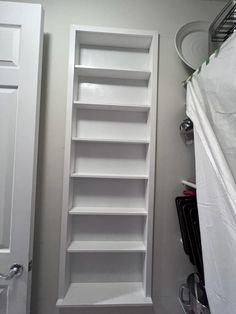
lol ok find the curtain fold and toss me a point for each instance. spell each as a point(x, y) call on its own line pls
point(211, 105)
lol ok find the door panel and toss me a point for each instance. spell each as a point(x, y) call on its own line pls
point(20, 69)
point(3, 299)
point(8, 109)
point(9, 45)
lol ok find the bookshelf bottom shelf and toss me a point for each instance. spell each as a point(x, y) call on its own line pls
point(105, 294)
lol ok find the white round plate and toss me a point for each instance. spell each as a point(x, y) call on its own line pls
point(191, 43)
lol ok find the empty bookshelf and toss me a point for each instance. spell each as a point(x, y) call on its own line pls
point(109, 168)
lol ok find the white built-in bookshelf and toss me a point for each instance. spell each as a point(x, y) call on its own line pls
point(109, 168)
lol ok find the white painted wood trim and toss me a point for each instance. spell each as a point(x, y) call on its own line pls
point(114, 30)
point(63, 273)
point(152, 168)
point(38, 99)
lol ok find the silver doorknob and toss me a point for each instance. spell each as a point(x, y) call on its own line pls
point(16, 270)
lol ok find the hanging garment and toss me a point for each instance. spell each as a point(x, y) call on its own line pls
point(211, 105)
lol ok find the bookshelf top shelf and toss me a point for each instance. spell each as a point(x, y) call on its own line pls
point(112, 37)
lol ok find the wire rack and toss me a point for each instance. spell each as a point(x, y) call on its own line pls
point(223, 25)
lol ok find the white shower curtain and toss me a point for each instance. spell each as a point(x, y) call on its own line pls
point(211, 105)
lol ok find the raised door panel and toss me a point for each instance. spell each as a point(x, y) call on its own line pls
point(9, 45)
point(8, 111)
point(3, 299)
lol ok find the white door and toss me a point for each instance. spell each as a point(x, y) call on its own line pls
point(20, 63)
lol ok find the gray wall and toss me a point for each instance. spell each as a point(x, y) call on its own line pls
point(174, 159)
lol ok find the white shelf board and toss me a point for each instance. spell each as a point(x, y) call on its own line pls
point(112, 73)
point(189, 183)
point(108, 106)
point(111, 140)
point(106, 246)
point(100, 36)
point(109, 176)
point(105, 294)
point(115, 211)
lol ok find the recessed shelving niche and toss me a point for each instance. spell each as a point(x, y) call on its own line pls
point(109, 168)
